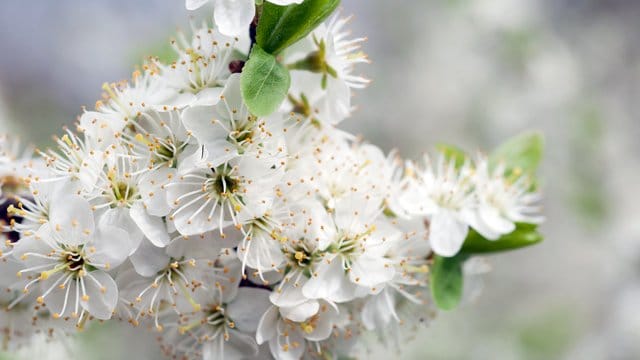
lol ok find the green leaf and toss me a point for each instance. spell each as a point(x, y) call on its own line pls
point(453, 153)
point(281, 26)
point(264, 82)
point(447, 281)
point(524, 235)
point(523, 152)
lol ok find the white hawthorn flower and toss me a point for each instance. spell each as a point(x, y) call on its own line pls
point(125, 102)
point(68, 259)
point(306, 236)
point(227, 129)
point(327, 57)
point(202, 67)
point(356, 262)
point(119, 202)
point(17, 167)
point(501, 202)
point(410, 259)
point(224, 326)
point(261, 228)
point(288, 339)
point(444, 194)
point(160, 276)
point(157, 139)
point(76, 161)
point(210, 198)
point(234, 16)
point(31, 210)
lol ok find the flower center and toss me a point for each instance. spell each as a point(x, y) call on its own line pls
point(301, 257)
point(72, 261)
point(216, 318)
point(10, 214)
point(123, 193)
point(348, 244)
point(222, 183)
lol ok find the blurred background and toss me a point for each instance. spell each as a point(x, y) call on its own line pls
point(466, 72)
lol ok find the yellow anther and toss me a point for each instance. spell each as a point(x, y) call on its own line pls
point(307, 328)
point(66, 140)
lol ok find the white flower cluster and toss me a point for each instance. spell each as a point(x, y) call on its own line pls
point(174, 208)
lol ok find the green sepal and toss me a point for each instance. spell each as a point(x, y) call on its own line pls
point(447, 280)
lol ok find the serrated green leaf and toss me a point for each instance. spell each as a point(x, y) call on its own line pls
point(281, 26)
point(523, 152)
point(264, 82)
point(524, 235)
point(447, 281)
point(453, 153)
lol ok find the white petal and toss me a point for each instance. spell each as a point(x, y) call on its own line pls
point(301, 312)
point(330, 282)
point(71, 220)
point(149, 259)
point(267, 325)
point(447, 233)
point(153, 190)
point(39, 243)
point(327, 316)
point(293, 352)
point(261, 252)
point(233, 17)
point(200, 121)
point(290, 294)
point(112, 246)
point(103, 294)
point(378, 310)
point(216, 153)
point(152, 227)
point(473, 219)
point(355, 211)
point(240, 346)
point(185, 219)
point(119, 217)
point(201, 246)
point(208, 96)
point(492, 218)
point(248, 304)
point(371, 271)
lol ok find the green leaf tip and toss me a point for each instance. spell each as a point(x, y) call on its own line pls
point(524, 235)
point(523, 152)
point(281, 26)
